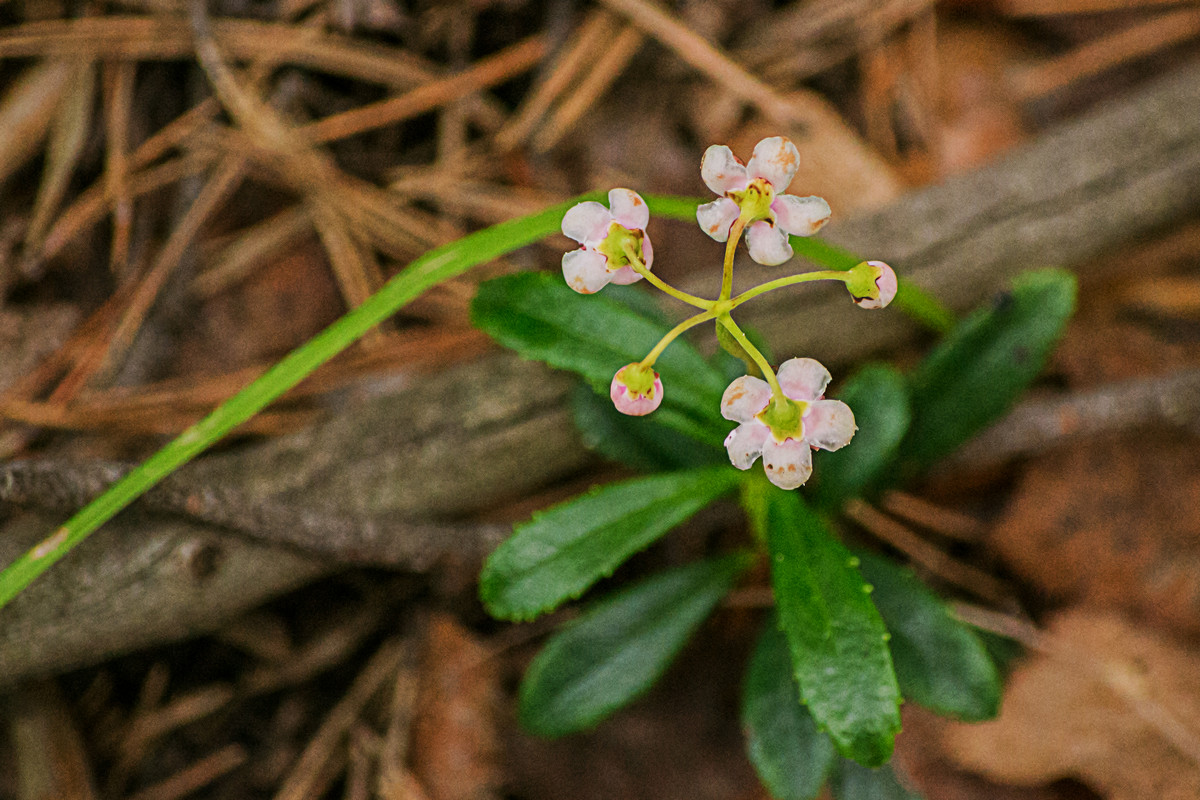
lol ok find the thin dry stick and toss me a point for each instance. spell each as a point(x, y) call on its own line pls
point(925, 554)
point(28, 109)
point(357, 272)
point(94, 202)
point(1037, 425)
point(310, 769)
point(940, 520)
point(196, 776)
point(697, 51)
point(118, 110)
point(615, 57)
point(1054, 8)
point(69, 134)
point(588, 42)
point(487, 72)
point(159, 422)
point(1106, 52)
point(224, 181)
point(253, 247)
point(167, 38)
point(186, 709)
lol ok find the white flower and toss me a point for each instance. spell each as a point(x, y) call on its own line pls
point(755, 190)
point(786, 453)
point(603, 234)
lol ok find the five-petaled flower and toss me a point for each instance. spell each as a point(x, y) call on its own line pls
point(606, 236)
point(785, 434)
point(753, 192)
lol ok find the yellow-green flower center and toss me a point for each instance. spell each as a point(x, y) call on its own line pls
point(638, 380)
point(755, 201)
point(785, 417)
point(613, 246)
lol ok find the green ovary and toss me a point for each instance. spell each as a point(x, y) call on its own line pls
point(785, 417)
point(613, 246)
point(755, 201)
point(638, 379)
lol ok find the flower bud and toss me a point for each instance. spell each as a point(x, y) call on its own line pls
point(636, 390)
point(874, 284)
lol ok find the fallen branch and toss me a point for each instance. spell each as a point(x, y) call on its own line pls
point(457, 443)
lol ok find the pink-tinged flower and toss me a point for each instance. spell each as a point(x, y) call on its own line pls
point(754, 191)
point(604, 235)
point(636, 390)
point(785, 435)
point(877, 287)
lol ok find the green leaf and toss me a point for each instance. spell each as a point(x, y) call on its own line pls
point(621, 646)
point(940, 663)
point(878, 396)
point(540, 317)
point(853, 782)
point(640, 442)
point(791, 756)
point(981, 368)
point(559, 553)
point(836, 636)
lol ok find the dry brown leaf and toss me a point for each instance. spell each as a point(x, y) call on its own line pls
point(455, 750)
point(1111, 703)
point(1112, 522)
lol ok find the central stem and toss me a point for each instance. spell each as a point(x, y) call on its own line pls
point(735, 233)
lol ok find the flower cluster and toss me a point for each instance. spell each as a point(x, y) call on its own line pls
point(784, 415)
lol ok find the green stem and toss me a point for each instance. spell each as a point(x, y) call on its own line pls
point(727, 322)
point(640, 268)
point(673, 334)
point(735, 233)
point(779, 283)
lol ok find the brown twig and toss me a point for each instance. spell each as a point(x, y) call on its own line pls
point(1136, 41)
point(349, 537)
point(195, 776)
point(921, 552)
point(326, 747)
point(613, 60)
point(1038, 425)
point(708, 59)
point(486, 72)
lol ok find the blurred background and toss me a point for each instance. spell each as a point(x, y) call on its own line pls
point(188, 191)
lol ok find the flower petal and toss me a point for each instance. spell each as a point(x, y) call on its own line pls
point(768, 244)
point(829, 424)
point(586, 270)
point(803, 378)
point(722, 171)
point(629, 209)
point(624, 276)
point(647, 251)
point(775, 159)
point(800, 216)
point(744, 398)
point(587, 222)
point(717, 217)
point(788, 463)
point(635, 405)
point(745, 443)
